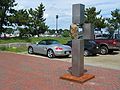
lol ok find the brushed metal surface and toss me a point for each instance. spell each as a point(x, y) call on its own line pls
point(78, 13)
point(77, 57)
point(88, 31)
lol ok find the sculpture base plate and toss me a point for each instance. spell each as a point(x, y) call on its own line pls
point(80, 79)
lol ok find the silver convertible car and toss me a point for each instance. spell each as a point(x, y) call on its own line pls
point(49, 47)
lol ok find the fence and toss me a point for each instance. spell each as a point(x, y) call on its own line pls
point(15, 45)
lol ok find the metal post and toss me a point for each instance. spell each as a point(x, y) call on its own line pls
point(77, 44)
point(77, 57)
point(78, 13)
point(56, 22)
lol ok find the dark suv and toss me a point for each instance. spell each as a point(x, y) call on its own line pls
point(90, 47)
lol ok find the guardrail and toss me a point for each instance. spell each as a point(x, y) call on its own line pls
point(15, 45)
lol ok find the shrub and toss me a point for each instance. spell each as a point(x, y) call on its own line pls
point(3, 48)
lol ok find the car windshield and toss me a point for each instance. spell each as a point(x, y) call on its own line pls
point(117, 36)
point(52, 42)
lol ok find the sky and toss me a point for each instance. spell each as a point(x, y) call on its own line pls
point(63, 8)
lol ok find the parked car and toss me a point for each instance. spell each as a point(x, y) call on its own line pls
point(108, 44)
point(90, 47)
point(50, 47)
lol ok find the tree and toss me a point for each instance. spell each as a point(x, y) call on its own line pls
point(92, 16)
point(114, 21)
point(37, 21)
point(21, 20)
point(100, 22)
point(6, 9)
point(9, 30)
point(20, 17)
point(66, 33)
point(51, 31)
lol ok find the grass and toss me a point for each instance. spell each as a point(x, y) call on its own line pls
point(62, 40)
point(14, 40)
point(14, 49)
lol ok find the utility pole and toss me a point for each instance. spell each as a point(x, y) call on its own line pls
point(56, 23)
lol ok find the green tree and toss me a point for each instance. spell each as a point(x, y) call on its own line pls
point(21, 20)
point(114, 21)
point(66, 33)
point(100, 22)
point(9, 30)
point(6, 10)
point(20, 17)
point(93, 17)
point(37, 21)
point(51, 31)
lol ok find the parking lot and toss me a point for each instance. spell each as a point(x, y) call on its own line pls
point(111, 61)
point(26, 72)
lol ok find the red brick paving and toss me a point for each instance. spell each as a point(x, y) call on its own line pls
point(22, 72)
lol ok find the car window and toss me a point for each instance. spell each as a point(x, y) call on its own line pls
point(52, 42)
point(42, 43)
point(80, 37)
point(117, 36)
point(104, 36)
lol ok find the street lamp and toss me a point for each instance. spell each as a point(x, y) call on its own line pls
point(56, 22)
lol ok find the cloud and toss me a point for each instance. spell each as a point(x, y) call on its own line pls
point(19, 7)
point(63, 8)
point(46, 15)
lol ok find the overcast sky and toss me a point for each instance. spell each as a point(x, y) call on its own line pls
point(63, 8)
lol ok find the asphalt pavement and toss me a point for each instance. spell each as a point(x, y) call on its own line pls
point(111, 61)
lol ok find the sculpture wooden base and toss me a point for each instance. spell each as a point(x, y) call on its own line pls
point(80, 79)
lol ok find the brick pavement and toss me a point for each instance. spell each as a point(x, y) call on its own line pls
point(22, 72)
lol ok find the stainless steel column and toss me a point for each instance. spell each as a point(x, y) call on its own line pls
point(88, 29)
point(77, 57)
point(78, 13)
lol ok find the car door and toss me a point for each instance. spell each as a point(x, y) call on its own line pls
point(41, 46)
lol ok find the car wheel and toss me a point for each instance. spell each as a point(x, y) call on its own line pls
point(67, 56)
point(50, 53)
point(86, 53)
point(94, 54)
point(103, 50)
point(30, 50)
point(110, 51)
